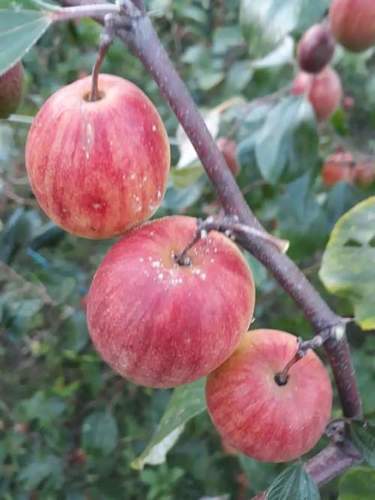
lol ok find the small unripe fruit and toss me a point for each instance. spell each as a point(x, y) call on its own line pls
point(228, 148)
point(315, 49)
point(353, 23)
point(338, 167)
point(162, 323)
point(11, 85)
point(252, 412)
point(323, 90)
point(98, 168)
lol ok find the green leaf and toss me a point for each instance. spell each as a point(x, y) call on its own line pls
point(293, 482)
point(100, 432)
point(266, 23)
point(347, 267)
point(185, 403)
point(19, 31)
point(363, 436)
point(49, 467)
point(287, 144)
point(300, 217)
point(260, 474)
point(358, 483)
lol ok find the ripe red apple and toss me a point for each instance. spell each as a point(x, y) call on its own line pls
point(252, 412)
point(338, 167)
point(316, 48)
point(228, 148)
point(323, 90)
point(159, 323)
point(98, 168)
point(11, 85)
point(353, 23)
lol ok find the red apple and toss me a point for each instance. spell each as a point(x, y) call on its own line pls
point(98, 168)
point(323, 90)
point(353, 23)
point(11, 84)
point(159, 323)
point(316, 48)
point(252, 412)
point(228, 148)
point(338, 167)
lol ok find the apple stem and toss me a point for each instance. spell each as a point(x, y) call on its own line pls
point(106, 39)
point(233, 229)
point(303, 346)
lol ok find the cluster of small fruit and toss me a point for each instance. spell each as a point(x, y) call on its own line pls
point(352, 24)
point(162, 312)
point(341, 166)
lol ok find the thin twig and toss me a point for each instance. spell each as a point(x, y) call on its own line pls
point(84, 10)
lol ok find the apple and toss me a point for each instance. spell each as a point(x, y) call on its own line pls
point(316, 48)
point(160, 323)
point(353, 23)
point(98, 168)
point(11, 86)
point(338, 167)
point(323, 90)
point(255, 413)
point(228, 148)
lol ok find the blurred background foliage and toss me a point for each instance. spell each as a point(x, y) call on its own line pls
point(69, 427)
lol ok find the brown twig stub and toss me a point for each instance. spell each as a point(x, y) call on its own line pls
point(233, 229)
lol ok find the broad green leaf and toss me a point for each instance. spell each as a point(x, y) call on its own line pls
point(358, 483)
point(100, 432)
point(301, 219)
point(19, 31)
point(363, 436)
point(280, 138)
point(185, 403)
point(287, 144)
point(50, 467)
point(266, 23)
point(348, 268)
point(293, 482)
point(260, 474)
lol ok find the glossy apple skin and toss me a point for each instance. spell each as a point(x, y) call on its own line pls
point(254, 414)
point(315, 49)
point(353, 23)
point(11, 86)
point(98, 168)
point(323, 90)
point(160, 324)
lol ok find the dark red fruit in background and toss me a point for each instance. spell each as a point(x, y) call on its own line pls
point(364, 173)
point(337, 168)
point(353, 23)
point(11, 84)
point(348, 103)
point(228, 149)
point(323, 90)
point(315, 49)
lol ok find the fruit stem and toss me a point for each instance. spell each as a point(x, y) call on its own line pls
point(232, 228)
point(281, 378)
point(106, 39)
